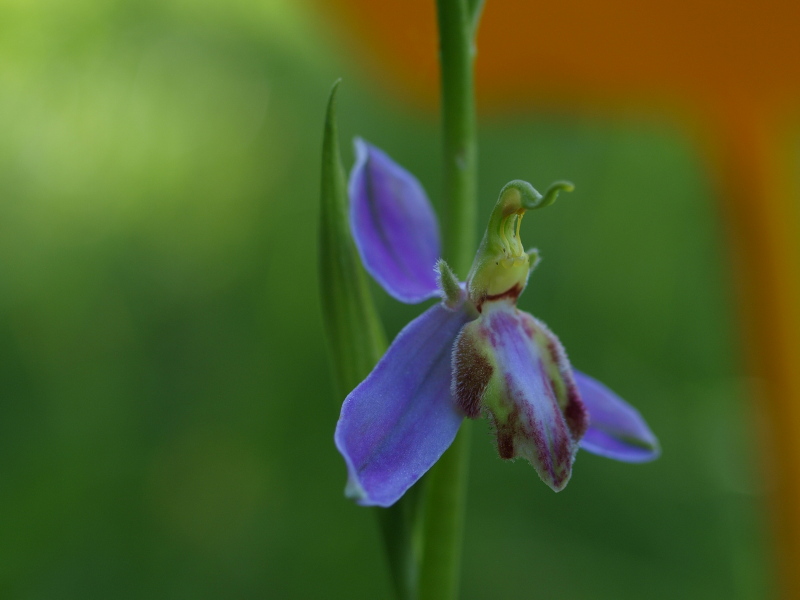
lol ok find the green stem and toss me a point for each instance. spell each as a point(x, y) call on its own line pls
point(397, 525)
point(444, 493)
point(443, 524)
point(458, 124)
point(475, 9)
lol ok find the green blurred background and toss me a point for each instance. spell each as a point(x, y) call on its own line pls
point(166, 411)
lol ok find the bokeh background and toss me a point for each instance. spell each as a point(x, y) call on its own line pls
point(166, 406)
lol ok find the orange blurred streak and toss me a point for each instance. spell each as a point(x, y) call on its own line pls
point(734, 63)
point(575, 50)
point(751, 159)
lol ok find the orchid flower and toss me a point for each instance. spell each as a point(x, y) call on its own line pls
point(473, 353)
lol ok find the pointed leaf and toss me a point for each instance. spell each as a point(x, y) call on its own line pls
point(354, 332)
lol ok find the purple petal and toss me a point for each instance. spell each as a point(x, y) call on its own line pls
point(616, 429)
point(397, 423)
point(394, 225)
point(526, 367)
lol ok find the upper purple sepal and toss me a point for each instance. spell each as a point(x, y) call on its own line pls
point(397, 423)
point(616, 429)
point(394, 226)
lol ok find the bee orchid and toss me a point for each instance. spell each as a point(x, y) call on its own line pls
point(473, 353)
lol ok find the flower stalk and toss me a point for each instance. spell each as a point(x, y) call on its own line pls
point(445, 485)
point(460, 146)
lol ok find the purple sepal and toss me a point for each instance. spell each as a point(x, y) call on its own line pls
point(616, 429)
point(394, 226)
point(397, 423)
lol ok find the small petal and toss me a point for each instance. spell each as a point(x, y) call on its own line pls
point(397, 423)
point(512, 367)
point(453, 292)
point(616, 429)
point(394, 225)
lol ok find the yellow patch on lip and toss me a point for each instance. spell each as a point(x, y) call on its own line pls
point(508, 273)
